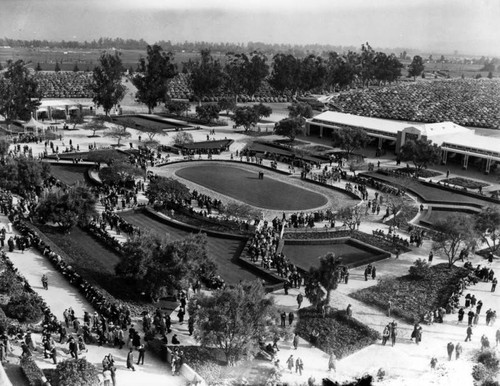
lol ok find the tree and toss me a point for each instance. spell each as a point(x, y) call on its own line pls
point(352, 216)
point(396, 204)
point(206, 75)
point(119, 132)
point(300, 109)
point(453, 233)
point(234, 319)
point(327, 273)
point(262, 110)
point(76, 68)
point(152, 76)
point(313, 73)
point(416, 67)
point(177, 107)
point(75, 120)
point(245, 116)
point(23, 175)
point(244, 74)
point(38, 67)
point(120, 173)
point(96, 124)
point(422, 153)
point(182, 138)
point(162, 190)
point(285, 75)
point(228, 104)
point(208, 112)
point(350, 139)
point(106, 81)
point(67, 209)
point(19, 92)
point(4, 148)
point(72, 372)
point(355, 165)
point(367, 64)
point(289, 127)
point(487, 226)
point(387, 68)
point(159, 267)
point(490, 75)
point(57, 68)
point(151, 130)
point(342, 70)
point(313, 290)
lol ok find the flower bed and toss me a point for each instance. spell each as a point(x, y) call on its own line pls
point(424, 173)
point(411, 298)
point(464, 182)
point(376, 241)
point(337, 332)
point(31, 371)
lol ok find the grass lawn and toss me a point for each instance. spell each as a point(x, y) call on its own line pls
point(441, 213)
point(411, 298)
point(150, 121)
point(337, 332)
point(224, 251)
point(69, 174)
point(307, 255)
point(92, 261)
point(430, 193)
point(245, 186)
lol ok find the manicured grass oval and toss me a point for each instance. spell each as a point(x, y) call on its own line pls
point(245, 186)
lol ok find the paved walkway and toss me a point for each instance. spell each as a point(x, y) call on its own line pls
point(62, 295)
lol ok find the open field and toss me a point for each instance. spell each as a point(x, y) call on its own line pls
point(245, 186)
point(224, 251)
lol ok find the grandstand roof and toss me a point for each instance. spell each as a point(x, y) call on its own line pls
point(62, 102)
point(333, 117)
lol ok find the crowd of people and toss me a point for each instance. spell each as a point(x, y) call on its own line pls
point(64, 84)
point(466, 102)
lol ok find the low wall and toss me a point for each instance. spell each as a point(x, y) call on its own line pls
point(187, 371)
point(350, 194)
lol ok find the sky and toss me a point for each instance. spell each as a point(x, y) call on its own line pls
point(433, 26)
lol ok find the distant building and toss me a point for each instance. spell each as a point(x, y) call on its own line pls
point(452, 138)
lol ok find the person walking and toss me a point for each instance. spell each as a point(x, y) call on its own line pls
point(299, 366)
point(291, 316)
point(300, 299)
point(290, 363)
point(469, 333)
point(283, 319)
point(374, 273)
point(458, 351)
point(348, 311)
point(494, 284)
point(332, 362)
point(431, 256)
point(470, 315)
point(142, 351)
point(450, 348)
point(389, 308)
point(461, 313)
point(45, 282)
point(130, 359)
point(433, 363)
point(386, 334)
point(295, 341)
point(394, 332)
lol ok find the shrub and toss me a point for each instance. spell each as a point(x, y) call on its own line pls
point(31, 371)
point(489, 359)
point(4, 322)
point(338, 332)
point(420, 269)
point(24, 307)
point(76, 372)
point(479, 372)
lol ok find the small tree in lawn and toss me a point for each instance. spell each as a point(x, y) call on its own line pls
point(289, 127)
point(119, 132)
point(235, 319)
point(240, 211)
point(453, 233)
point(227, 104)
point(416, 67)
point(328, 273)
point(162, 190)
point(76, 372)
point(75, 120)
point(177, 107)
point(208, 112)
point(183, 138)
point(422, 153)
point(300, 109)
point(119, 173)
point(262, 110)
point(487, 226)
point(352, 216)
point(97, 124)
point(356, 164)
point(350, 139)
point(313, 290)
point(246, 117)
point(396, 204)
